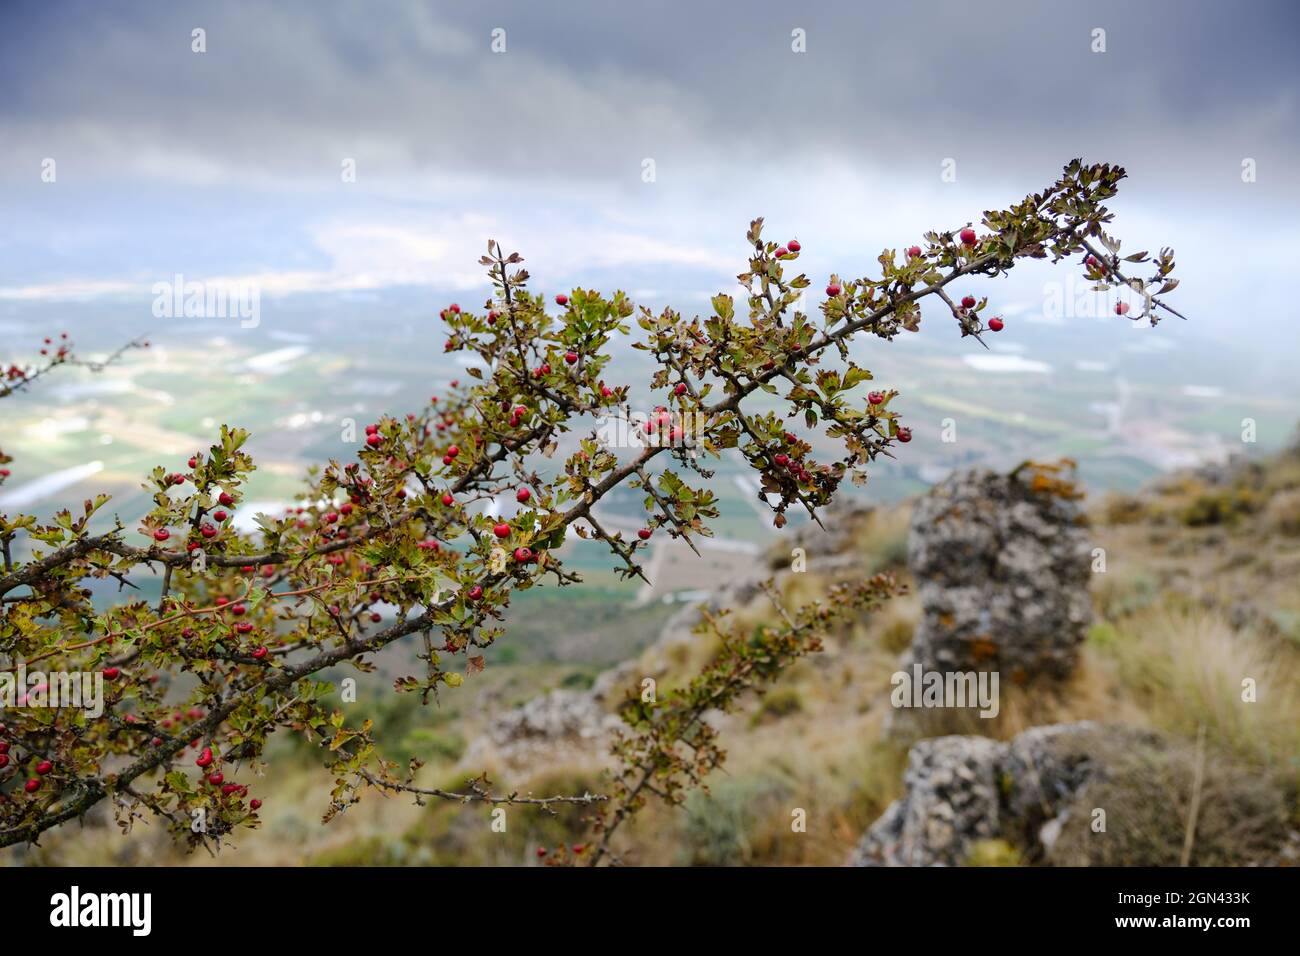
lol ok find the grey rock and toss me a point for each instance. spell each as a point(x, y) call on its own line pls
point(537, 730)
point(959, 790)
point(1002, 574)
point(951, 801)
point(831, 539)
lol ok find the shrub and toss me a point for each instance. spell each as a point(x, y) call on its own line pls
point(1148, 794)
point(259, 617)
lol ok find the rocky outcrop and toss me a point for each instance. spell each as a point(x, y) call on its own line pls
point(960, 790)
point(1003, 565)
point(832, 540)
point(1082, 794)
point(563, 723)
point(951, 801)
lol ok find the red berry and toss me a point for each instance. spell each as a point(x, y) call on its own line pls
point(832, 290)
point(204, 759)
point(225, 499)
point(502, 530)
point(453, 451)
point(644, 534)
point(230, 788)
point(475, 593)
point(995, 324)
point(1121, 308)
point(523, 555)
point(162, 534)
point(44, 767)
point(220, 515)
point(680, 389)
point(376, 617)
point(968, 236)
point(781, 459)
point(571, 357)
point(541, 851)
point(260, 652)
point(875, 398)
point(373, 440)
point(237, 609)
point(110, 673)
point(793, 245)
point(194, 460)
point(522, 495)
point(32, 785)
point(255, 804)
point(4, 761)
point(216, 778)
point(782, 251)
point(905, 435)
point(561, 299)
point(448, 500)
point(968, 302)
point(913, 252)
point(243, 627)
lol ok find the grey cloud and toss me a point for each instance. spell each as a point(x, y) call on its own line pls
point(588, 87)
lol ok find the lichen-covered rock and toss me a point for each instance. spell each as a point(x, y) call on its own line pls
point(831, 540)
point(951, 801)
point(1003, 564)
point(560, 724)
point(960, 790)
point(1077, 795)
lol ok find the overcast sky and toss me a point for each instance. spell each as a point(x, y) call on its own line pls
point(228, 163)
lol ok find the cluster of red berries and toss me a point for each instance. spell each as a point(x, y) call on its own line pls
point(792, 461)
point(543, 852)
point(995, 324)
